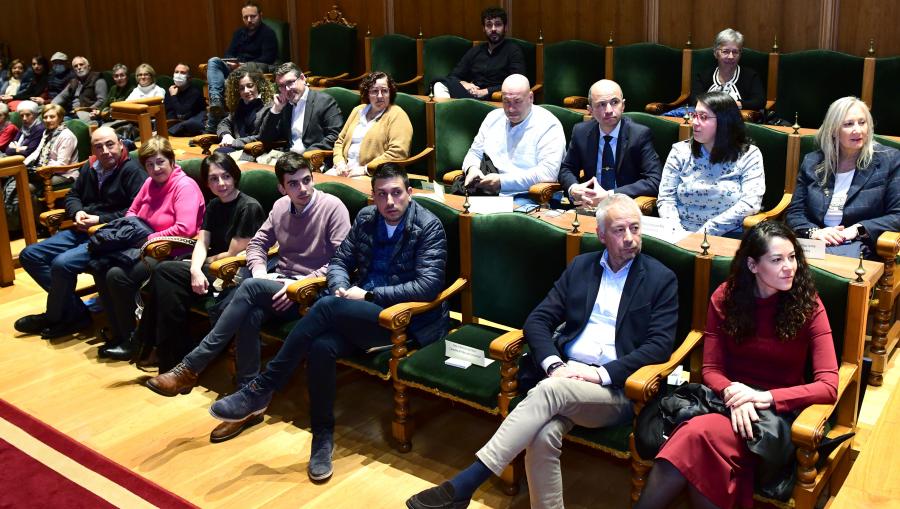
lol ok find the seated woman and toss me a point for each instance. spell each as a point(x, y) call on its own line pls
point(8, 130)
point(245, 95)
point(58, 146)
point(121, 89)
point(10, 87)
point(765, 326)
point(709, 183)
point(146, 84)
point(741, 83)
point(377, 130)
point(30, 133)
point(848, 191)
point(231, 220)
point(36, 86)
point(172, 204)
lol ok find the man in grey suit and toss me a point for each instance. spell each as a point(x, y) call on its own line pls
point(616, 154)
point(303, 118)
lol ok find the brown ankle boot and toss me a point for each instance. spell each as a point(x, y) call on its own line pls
point(179, 380)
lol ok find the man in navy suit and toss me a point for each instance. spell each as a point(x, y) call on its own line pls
point(616, 154)
point(618, 310)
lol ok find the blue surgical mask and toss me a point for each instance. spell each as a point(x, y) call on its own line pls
point(59, 68)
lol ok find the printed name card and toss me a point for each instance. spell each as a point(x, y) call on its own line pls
point(490, 204)
point(663, 229)
point(462, 356)
point(812, 248)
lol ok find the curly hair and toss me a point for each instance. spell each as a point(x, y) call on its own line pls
point(795, 306)
point(369, 80)
point(233, 90)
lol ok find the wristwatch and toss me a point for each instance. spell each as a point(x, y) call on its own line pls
point(553, 367)
point(370, 296)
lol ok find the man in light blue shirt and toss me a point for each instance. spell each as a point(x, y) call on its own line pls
point(525, 143)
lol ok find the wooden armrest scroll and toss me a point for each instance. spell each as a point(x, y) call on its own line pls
point(647, 205)
point(52, 219)
point(888, 245)
point(305, 291)
point(658, 108)
point(776, 212)
point(542, 192)
point(397, 317)
point(575, 101)
point(645, 383)
point(451, 175)
point(47, 172)
point(205, 141)
point(316, 158)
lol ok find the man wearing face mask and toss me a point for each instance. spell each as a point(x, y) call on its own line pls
point(185, 105)
point(84, 92)
point(59, 77)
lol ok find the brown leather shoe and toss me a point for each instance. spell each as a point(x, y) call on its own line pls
point(179, 380)
point(228, 430)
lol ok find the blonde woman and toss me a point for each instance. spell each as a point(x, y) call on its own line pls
point(146, 87)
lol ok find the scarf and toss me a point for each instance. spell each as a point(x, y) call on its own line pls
point(47, 144)
point(146, 90)
point(729, 87)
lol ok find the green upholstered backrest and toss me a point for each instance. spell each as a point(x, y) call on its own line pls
point(82, 133)
point(282, 31)
point(455, 125)
point(107, 77)
point(647, 73)
point(441, 54)
point(807, 144)
point(346, 99)
point(703, 61)
point(773, 145)
point(15, 119)
point(262, 185)
point(665, 132)
point(885, 104)
point(570, 68)
point(530, 52)
point(191, 168)
point(332, 49)
point(449, 218)
point(568, 118)
point(809, 81)
point(165, 81)
point(395, 54)
point(354, 200)
point(515, 261)
point(888, 142)
point(415, 110)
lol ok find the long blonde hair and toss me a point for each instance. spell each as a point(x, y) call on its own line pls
point(828, 138)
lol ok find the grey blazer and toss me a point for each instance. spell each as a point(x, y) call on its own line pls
point(322, 122)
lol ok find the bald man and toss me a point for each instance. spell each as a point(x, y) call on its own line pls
point(103, 191)
point(616, 154)
point(524, 142)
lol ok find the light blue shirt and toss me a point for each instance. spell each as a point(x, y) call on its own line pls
point(525, 154)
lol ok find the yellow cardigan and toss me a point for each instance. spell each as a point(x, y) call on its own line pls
point(387, 140)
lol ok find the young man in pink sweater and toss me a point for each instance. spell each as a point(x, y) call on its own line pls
point(308, 226)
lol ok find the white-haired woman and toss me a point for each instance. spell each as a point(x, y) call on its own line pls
point(741, 83)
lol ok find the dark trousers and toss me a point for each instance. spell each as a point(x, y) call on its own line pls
point(333, 328)
point(118, 287)
point(55, 264)
point(190, 126)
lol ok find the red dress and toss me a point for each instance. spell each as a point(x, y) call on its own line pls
point(711, 456)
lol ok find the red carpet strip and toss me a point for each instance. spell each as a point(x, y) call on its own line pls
point(26, 482)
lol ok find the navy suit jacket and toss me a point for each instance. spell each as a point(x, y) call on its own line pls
point(322, 123)
point(872, 201)
point(638, 169)
point(645, 324)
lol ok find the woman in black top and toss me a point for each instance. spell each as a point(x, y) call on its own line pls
point(741, 83)
point(246, 94)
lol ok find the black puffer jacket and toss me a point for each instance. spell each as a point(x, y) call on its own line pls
point(416, 269)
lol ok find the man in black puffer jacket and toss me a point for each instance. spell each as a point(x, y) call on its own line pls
point(396, 252)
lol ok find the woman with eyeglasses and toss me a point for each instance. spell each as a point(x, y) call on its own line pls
point(741, 83)
point(146, 84)
point(377, 131)
point(713, 180)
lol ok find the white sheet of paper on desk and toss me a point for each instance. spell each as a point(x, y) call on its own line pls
point(431, 196)
point(466, 353)
point(438, 191)
point(663, 229)
point(812, 248)
point(490, 204)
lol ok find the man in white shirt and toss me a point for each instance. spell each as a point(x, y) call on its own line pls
point(618, 310)
point(524, 142)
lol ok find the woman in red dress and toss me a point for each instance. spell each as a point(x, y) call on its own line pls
point(763, 327)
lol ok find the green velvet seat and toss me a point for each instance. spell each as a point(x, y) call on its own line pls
point(888, 142)
point(262, 185)
point(773, 145)
point(15, 119)
point(809, 81)
point(568, 118)
point(665, 132)
point(570, 68)
point(647, 72)
point(346, 99)
point(885, 104)
point(455, 125)
point(415, 110)
point(191, 168)
point(332, 49)
point(396, 55)
point(440, 55)
point(354, 200)
point(282, 31)
point(807, 144)
point(83, 133)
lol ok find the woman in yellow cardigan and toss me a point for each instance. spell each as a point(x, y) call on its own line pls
point(376, 131)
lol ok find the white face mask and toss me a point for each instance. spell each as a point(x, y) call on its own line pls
point(179, 78)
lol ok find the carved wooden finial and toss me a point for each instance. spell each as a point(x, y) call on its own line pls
point(686, 117)
point(610, 41)
point(705, 244)
point(576, 223)
point(368, 31)
point(466, 204)
point(334, 16)
point(860, 271)
point(540, 34)
point(689, 42)
point(775, 44)
point(871, 51)
point(796, 126)
point(420, 32)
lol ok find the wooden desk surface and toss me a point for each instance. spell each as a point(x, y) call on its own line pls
point(874, 480)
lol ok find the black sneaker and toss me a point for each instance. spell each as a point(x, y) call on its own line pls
point(320, 467)
point(31, 324)
point(438, 497)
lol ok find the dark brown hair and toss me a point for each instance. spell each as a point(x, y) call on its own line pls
point(370, 80)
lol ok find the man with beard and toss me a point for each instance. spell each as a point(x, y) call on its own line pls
point(85, 92)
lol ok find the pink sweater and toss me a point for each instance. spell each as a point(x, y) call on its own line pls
point(174, 208)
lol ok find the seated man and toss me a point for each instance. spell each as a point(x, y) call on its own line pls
point(524, 142)
point(103, 191)
point(484, 67)
point(582, 368)
point(308, 226)
point(396, 252)
point(629, 163)
point(253, 46)
point(84, 93)
point(185, 104)
point(288, 120)
point(59, 75)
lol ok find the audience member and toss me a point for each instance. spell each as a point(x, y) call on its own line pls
point(741, 83)
point(32, 86)
point(31, 132)
point(146, 84)
point(121, 89)
point(85, 92)
point(8, 130)
point(185, 104)
point(58, 78)
point(246, 94)
point(10, 85)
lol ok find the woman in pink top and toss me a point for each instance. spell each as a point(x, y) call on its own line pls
point(172, 204)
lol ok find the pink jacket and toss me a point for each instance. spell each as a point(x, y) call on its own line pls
point(173, 209)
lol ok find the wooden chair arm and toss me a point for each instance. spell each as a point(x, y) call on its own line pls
point(645, 383)
point(575, 101)
point(658, 108)
point(82, 108)
point(258, 148)
point(647, 204)
point(452, 175)
point(410, 82)
point(305, 291)
point(427, 151)
point(509, 346)
point(397, 317)
point(808, 429)
point(770, 105)
point(316, 158)
point(93, 229)
point(542, 192)
point(226, 268)
point(205, 141)
point(888, 245)
point(754, 116)
point(341, 81)
point(317, 81)
point(53, 219)
point(776, 212)
point(47, 172)
point(162, 249)
point(498, 95)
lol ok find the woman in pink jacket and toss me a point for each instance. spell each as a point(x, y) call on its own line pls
point(172, 204)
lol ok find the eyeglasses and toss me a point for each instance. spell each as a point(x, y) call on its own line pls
point(142, 74)
point(728, 51)
point(702, 116)
point(379, 91)
point(287, 84)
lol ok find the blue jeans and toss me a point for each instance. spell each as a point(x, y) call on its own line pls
point(216, 72)
point(333, 328)
point(55, 264)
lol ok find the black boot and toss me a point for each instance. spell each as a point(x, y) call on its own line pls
point(124, 351)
